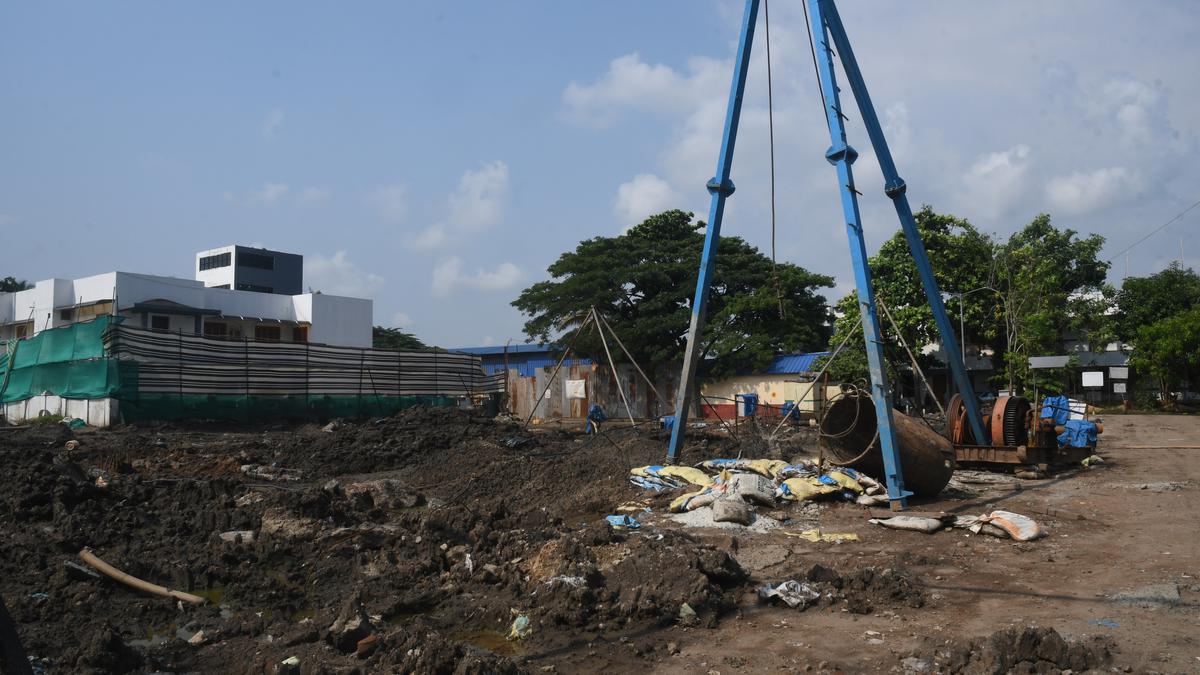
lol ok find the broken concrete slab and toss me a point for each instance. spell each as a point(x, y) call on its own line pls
point(1154, 595)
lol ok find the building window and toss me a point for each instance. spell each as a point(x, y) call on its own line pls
point(266, 333)
point(255, 288)
point(66, 315)
point(215, 329)
point(300, 334)
point(258, 260)
point(158, 322)
point(22, 330)
point(212, 262)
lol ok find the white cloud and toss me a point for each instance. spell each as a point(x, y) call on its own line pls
point(478, 202)
point(338, 275)
point(429, 239)
point(269, 193)
point(391, 201)
point(634, 84)
point(272, 123)
point(996, 182)
point(448, 278)
point(401, 320)
point(1083, 192)
point(643, 196)
point(313, 195)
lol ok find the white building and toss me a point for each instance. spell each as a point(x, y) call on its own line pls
point(242, 268)
point(171, 304)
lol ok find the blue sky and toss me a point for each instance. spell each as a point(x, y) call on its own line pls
point(438, 156)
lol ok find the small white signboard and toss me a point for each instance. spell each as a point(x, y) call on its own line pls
point(576, 389)
point(1118, 387)
point(1118, 373)
point(1093, 378)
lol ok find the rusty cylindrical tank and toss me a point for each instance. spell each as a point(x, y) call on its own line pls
point(849, 438)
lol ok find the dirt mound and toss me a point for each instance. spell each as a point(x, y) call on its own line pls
point(1023, 650)
point(443, 525)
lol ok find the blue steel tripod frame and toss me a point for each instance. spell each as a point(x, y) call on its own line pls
point(827, 28)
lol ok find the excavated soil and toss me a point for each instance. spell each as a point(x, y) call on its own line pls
point(415, 543)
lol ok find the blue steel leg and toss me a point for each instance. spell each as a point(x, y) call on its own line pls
point(720, 187)
point(895, 187)
point(841, 155)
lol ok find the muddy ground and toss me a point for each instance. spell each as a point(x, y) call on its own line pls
point(411, 543)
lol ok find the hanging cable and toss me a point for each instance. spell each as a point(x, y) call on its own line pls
point(812, 50)
point(771, 132)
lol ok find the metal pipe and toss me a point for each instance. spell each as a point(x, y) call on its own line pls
point(849, 437)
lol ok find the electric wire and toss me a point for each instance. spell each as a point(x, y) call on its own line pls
point(812, 50)
point(1153, 232)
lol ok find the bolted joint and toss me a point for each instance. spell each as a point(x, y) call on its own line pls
point(895, 187)
point(725, 189)
point(837, 153)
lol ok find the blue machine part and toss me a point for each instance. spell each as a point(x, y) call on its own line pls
point(1078, 434)
point(1057, 408)
point(720, 187)
point(668, 422)
point(749, 404)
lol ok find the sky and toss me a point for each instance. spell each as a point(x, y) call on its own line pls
point(437, 157)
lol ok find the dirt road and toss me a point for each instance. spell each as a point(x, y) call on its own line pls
point(412, 543)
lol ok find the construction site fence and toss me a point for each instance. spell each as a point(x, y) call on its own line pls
point(165, 376)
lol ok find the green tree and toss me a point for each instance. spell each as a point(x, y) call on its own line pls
point(1019, 297)
point(1145, 300)
point(12, 285)
point(642, 283)
point(961, 257)
point(1050, 283)
point(1169, 351)
point(395, 338)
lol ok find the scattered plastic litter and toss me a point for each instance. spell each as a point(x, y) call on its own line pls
point(1093, 460)
point(792, 592)
point(1107, 623)
point(817, 535)
point(686, 613)
point(623, 522)
point(520, 628)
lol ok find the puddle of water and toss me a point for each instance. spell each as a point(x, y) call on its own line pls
point(155, 637)
point(402, 615)
point(302, 614)
point(493, 641)
point(214, 596)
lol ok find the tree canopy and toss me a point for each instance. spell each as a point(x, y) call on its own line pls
point(642, 283)
point(1146, 300)
point(1169, 351)
point(12, 285)
point(395, 338)
point(961, 257)
point(1016, 297)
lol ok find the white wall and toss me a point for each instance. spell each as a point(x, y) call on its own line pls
point(218, 275)
point(100, 412)
point(335, 320)
point(338, 320)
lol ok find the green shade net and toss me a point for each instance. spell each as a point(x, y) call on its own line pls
point(67, 361)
